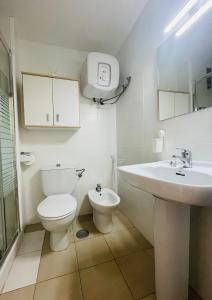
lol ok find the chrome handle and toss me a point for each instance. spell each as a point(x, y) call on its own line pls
point(47, 117)
point(184, 151)
point(57, 117)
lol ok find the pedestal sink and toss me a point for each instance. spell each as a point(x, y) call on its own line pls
point(175, 189)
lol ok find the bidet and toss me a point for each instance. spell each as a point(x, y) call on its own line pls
point(103, 203)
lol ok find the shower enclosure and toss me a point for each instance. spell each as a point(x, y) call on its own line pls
point(9, 221)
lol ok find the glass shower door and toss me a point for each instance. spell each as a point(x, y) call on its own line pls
point(9, 224)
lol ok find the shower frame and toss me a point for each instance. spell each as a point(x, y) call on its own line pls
point(8, 246)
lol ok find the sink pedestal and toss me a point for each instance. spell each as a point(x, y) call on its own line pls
point(171, 239)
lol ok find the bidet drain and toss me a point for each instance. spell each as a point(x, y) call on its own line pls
point(82, 233)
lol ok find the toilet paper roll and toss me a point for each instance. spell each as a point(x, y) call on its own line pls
point(157, 145)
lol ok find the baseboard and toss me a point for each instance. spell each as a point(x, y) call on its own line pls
point(5, 268)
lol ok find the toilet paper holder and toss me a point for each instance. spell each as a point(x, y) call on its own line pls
point(27, 158)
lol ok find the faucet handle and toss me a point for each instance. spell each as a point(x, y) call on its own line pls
point(185, 152)
point(98, 187)
point(181, 149)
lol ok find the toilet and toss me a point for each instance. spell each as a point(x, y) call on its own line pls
point(104, 203)
point(57, 211)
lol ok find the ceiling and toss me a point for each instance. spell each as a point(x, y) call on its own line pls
point(90, 25)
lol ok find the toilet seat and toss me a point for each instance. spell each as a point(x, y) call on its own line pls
point(57, 206)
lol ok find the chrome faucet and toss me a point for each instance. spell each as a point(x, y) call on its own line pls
point(98, 188)
point(185, 158)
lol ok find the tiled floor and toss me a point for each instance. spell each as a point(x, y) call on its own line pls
point(115, 266)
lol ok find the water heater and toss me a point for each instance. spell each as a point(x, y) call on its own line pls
point(99, 76)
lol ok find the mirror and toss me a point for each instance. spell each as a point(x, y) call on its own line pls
point(185, 71)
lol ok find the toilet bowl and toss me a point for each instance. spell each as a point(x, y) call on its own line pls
point(103, 203)
point(57, 211)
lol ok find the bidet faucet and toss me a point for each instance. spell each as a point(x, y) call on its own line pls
point(98, 187)
point(185, 158)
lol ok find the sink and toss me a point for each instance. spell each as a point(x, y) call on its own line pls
point(174, 189)
point(191, 186)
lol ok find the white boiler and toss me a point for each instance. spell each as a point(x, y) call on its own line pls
point(99, 76)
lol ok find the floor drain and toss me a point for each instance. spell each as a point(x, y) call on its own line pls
point(82, 233)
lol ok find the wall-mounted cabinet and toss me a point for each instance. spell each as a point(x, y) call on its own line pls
point(50, 101)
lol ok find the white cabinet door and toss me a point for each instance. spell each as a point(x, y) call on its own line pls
point(37, 93)
point(66, 103)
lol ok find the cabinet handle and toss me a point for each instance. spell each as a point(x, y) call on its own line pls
point(57, 117)
point(47, 117)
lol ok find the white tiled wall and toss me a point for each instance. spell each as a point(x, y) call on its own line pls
point(90, 147)
point(138, 109)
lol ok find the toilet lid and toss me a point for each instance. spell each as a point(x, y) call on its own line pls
point(56, 206)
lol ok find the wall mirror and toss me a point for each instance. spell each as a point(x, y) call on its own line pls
point(185, 71)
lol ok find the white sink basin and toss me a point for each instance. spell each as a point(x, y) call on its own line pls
point(182, 188)
point(191, 186)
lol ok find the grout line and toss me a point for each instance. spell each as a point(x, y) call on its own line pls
point(132, 252)
point(32, 251)
point(79, 272)
point(115, 259)
point(106, 261)
point(125, 281)
point(109, 248)
point(78, 269)
point(33, 297)
point(121, 273)
point(39, 263)
point(152, 294)
point(58, 276)
point(23, 287)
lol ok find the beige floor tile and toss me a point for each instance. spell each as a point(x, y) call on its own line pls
point(32, 241)
point(33, 227)
point(193, 295)
point(92, 252)
point(23, 272)
point(151, 297)
point(55, 264)
point(138, 271)
point(140, 238)
point(85, 222)
point(151, 252)
point(122, 243)
point(104, 282)
point(20, 294)
point(61, 288)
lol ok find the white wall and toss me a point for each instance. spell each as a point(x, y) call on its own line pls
point(137, 124)
point(89, 147)
point(5, 29)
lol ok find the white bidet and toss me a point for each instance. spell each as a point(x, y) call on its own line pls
point(104, 203)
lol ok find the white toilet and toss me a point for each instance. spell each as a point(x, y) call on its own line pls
point(58, 210)
point(104, 203)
